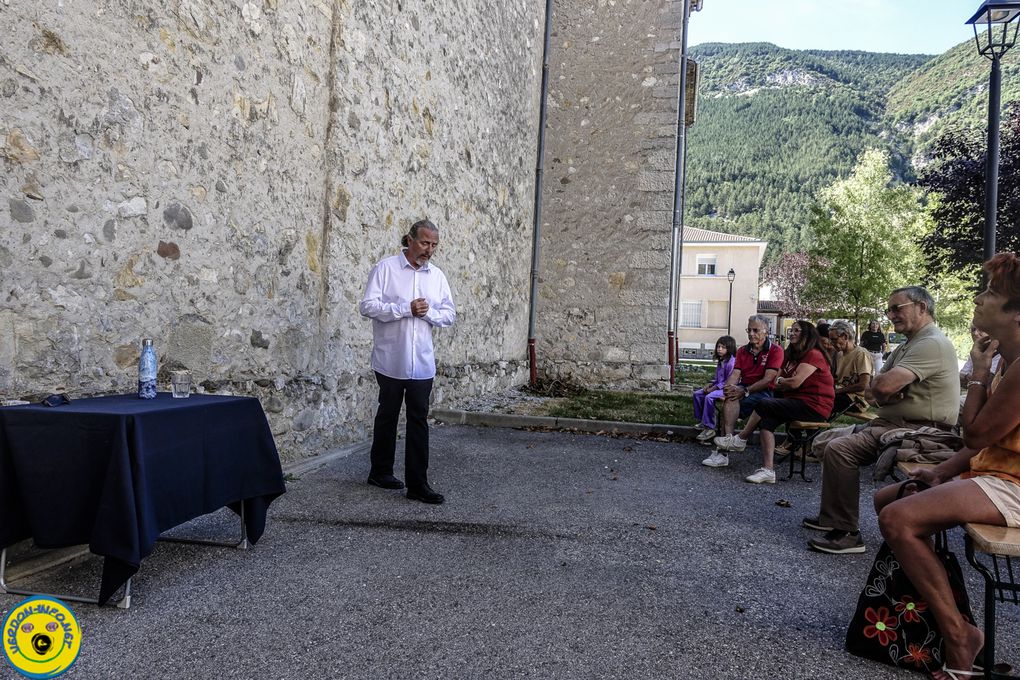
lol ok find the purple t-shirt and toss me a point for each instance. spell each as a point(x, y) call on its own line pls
point(722, 372)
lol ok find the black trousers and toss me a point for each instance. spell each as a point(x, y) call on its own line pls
point(775, 412)
point(415, 394)
point(843, 403)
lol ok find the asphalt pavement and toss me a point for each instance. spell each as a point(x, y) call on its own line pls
point(556, 555)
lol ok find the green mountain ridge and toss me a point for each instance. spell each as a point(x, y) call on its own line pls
point(775, 126)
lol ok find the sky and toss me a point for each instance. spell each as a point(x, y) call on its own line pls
point(902, 26)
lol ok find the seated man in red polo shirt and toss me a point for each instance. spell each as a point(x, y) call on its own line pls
point(753, 377)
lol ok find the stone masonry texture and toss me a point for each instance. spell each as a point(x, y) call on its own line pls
point(220, 175)
point(608, 191)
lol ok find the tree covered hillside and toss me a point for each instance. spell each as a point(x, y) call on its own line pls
point(775, 126)
point(948, 91)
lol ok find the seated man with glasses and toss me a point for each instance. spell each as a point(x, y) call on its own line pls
point(918, 386)
point(753, 378)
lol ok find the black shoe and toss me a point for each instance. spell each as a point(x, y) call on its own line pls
point(385, 481)
point(425, 494)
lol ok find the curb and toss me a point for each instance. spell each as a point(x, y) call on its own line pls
point(515, 421)
point(454, 417)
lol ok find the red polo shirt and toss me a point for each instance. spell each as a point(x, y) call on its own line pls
point(752, 366)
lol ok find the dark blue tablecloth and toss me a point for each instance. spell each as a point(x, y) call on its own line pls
point(114, 472)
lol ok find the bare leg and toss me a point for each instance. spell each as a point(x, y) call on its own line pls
point(768, 447)
point(752, 424)
point(887, 494)
point(731, 409)
point(907, 525)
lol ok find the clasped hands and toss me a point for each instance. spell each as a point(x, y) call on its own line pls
point(419, 307)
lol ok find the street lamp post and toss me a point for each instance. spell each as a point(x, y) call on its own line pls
point(730, 275)
point(998, 18)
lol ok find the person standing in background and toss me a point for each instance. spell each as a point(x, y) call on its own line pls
point(875, 342)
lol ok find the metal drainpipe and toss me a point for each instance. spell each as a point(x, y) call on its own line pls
point(676, 247)
point(537, 226)
point(683, 209)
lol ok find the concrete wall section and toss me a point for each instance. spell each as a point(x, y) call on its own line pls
point(221, 176)
point(608, 191)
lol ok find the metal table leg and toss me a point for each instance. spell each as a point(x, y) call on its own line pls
point(241, 544)
point(123, 603)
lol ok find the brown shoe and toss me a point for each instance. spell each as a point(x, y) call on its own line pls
point(838, 542)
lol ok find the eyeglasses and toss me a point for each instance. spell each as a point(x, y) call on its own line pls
point(893, 309)
point(754, 330)
point(56, 400)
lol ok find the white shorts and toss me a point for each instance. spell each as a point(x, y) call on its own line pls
point(1004, 495)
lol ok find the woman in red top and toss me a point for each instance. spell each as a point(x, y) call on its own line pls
point(806, 392)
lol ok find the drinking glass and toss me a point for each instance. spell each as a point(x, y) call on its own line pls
point(180, 384)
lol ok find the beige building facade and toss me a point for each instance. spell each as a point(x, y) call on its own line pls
point(707, 310)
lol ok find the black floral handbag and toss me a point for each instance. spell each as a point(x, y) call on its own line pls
point(892, 623)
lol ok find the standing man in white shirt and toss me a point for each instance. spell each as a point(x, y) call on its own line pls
point(405, 297)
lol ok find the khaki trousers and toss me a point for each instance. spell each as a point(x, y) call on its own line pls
point(842, 460)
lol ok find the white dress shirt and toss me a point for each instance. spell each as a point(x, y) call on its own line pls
point(402, 343)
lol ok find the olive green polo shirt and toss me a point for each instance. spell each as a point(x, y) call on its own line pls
point(935, 393)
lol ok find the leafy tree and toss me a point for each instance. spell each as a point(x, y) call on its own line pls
point(954, 305)
point(957, 176)
point(865, 240)
point(787, 276)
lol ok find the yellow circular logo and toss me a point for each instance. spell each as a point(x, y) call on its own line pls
point(41, 637)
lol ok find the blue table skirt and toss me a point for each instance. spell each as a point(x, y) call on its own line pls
point(115, 472)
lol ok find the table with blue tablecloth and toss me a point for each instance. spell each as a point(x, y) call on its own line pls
point(114, 472)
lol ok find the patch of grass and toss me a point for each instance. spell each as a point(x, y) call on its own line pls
point(695, 375)
point(634, 407)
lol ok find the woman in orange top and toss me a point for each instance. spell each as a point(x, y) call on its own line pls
point(989, 492)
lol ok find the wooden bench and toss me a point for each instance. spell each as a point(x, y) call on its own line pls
point(1001, 571)
point(908, 468)
point(800, 434)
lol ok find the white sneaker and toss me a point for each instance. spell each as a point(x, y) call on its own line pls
point(762, 476)
point(731, 442)
point(717, 460)
point(699, 426)
point(706, 436)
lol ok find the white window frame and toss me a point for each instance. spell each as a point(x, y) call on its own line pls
point(706, 261)
point(691, 313)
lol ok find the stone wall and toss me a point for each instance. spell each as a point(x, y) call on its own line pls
point(221, 175)
point(608, 194)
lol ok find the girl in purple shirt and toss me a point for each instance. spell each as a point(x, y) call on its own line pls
point(704, 399)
